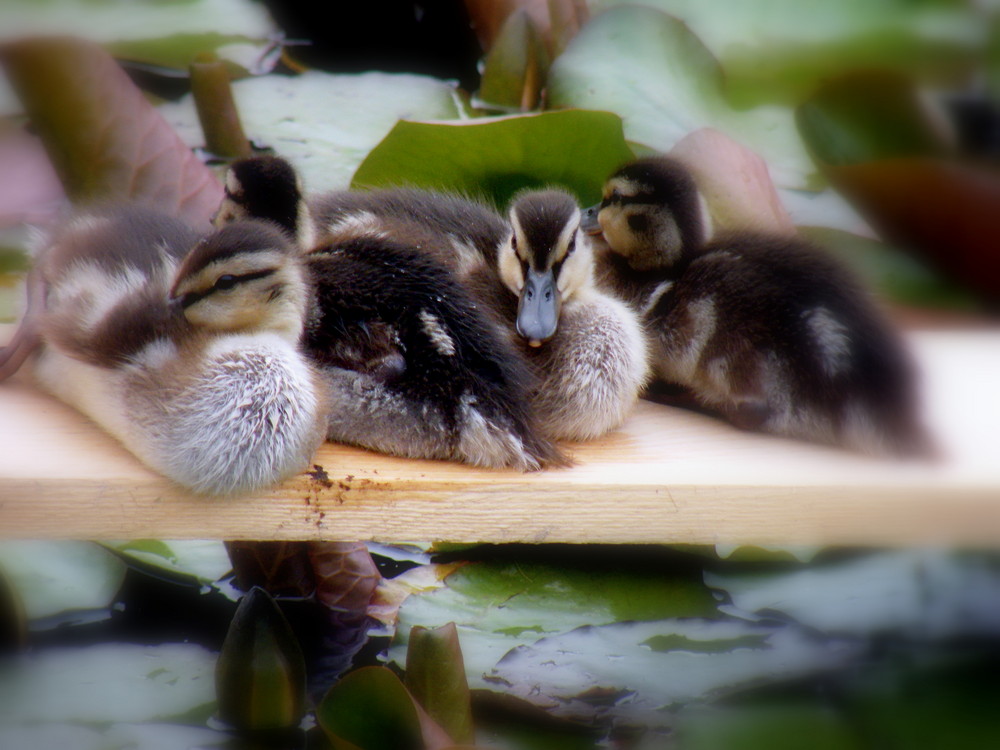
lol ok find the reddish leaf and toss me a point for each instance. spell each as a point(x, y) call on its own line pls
point(946, 211)
point(105, 140)
point(280, 568)
point(346, 576)
point(735, 182)
point(29, 189)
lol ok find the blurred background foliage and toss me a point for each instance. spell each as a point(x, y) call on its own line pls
point(870, 126)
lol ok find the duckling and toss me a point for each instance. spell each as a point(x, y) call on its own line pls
point(768, 331)
point(223, 403)
point(586, 347)
point(532, 275)
point(412, 365)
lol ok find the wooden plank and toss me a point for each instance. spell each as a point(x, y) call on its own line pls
point(667, 476)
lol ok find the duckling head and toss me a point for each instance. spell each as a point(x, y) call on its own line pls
point(266, 187)
point(243, 278)
point(546, 260)
point(651, 213)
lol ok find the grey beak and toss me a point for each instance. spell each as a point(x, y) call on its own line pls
point(588, 220)
point(538, 308)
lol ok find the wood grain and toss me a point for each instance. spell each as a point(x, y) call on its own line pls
point(667, 476)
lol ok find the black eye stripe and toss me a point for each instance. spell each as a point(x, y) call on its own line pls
point(191, 297)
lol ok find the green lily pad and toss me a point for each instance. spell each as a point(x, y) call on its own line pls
point(914, 592)
point(495, 157)
point(779, 51)
point(500, 606)
point(652, 70)
point(205, 560)
point(107, 683)
point(59, 576)
point(776, 727)
point(165, 32)
point(867, 116)
point(323, 123)
point(614, 674)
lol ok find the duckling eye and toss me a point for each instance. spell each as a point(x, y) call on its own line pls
point(571, 246)
point(225, 282)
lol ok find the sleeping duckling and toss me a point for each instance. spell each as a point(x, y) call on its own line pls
point(220, 402)
point(768, 331)
point(533, 276)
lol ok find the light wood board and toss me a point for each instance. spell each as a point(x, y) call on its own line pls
point(668, 476)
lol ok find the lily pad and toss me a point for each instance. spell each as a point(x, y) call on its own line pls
point(59, 576)
point(781, 50)
point(325, 124)
point(498, 606)
point(205, 560)
point(166, 32)
point(495, 157)
point(135, 683)
point(600, 673)
point(665, 83)
point(898, 276)
point(917, 593)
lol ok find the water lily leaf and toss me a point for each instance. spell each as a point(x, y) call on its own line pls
point(370, 709)
point(105, 140)
point(346, 575)
point(165, 33)
point(861, 117)
point(496, 157)
point(734, 182)
point(260, 676)
point(636, 674)
point(135, 683)
point(498, 606)
point(913, 592)
point(324, 124)
point(777, 727)
point(883, 151)
point(281, 568)
point(918, 705)
point(942, 210)
point(665, 84)
point(392, 592)
point(435, 676)
point(781, 50)
point(205, 560)
point(58, 576)
point(515, 68)
point(898, 276)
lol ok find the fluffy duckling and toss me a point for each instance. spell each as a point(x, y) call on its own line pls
point(532, 275)
point(586, 347)
point(768, 331)
point(219, 407)
point(412, 365)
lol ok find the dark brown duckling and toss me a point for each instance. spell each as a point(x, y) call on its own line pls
point(768, 331)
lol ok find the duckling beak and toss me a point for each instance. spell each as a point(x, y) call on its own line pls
point(538, 307)
point(588, 220)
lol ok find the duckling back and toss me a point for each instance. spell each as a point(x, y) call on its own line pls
point(460, 393)
point(769, 331)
